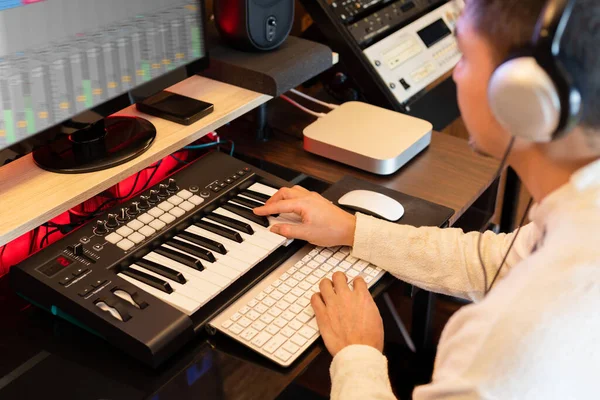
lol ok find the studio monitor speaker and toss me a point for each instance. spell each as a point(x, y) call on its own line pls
point(254, 24)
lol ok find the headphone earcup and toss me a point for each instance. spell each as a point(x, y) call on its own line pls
point(524, 99)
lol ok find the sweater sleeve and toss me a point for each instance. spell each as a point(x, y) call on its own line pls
point(440, 260)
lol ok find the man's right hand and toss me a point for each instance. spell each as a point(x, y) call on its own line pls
point(323, 224)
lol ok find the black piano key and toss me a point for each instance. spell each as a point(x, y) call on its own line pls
point(245, 213)
point(192, 249)
point(180, 257)
point(162, 270)
point(204, 242)
point(219, 230)
point(232, 223)
point(246, 202)
point(256, 195)
point(149, 280)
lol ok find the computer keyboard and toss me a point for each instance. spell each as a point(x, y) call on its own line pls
point(275, 318)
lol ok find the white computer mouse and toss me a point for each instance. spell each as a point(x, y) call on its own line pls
point(373, 202)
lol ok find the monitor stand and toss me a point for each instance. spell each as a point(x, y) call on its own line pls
point(96, 146)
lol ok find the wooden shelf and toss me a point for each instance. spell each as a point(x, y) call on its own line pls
point(30, 196)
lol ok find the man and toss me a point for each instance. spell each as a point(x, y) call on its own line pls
point(537, 333)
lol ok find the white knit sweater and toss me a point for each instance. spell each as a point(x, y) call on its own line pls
point(537, 333)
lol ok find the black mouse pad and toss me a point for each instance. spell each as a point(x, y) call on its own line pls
point(417, 212)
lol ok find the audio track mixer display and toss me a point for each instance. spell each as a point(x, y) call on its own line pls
point(49, 83)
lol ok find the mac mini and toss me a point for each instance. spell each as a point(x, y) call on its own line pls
point(368, 137)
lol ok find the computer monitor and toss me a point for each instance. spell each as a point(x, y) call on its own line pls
point(65, 65)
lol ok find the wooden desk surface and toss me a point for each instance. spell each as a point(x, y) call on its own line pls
point(447, 173)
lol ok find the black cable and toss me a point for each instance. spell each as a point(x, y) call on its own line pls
point(484, 228)
point(46, 237)
point(179, 160)
point(149, 180)
point(2, 255)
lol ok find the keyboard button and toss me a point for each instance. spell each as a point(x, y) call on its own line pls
point(288, 331)
point(283, 355)
point(269, 301)
point(296, 309)
point(185, 194)
point(167, 218)
point(253, 315)
point(326, 253)
point(299, 276)
point(147, 231)
point(275, 311)
point(249, 334)
point(245, 322)
point(352, 273)
point(149, 279)
point(261, 296)
point(374, 273)
point(333, 261)
point(276, 283)
point(136, 237)
point(291, 282)
point(345, 264)
point(362, 263)
point(220, 231)
point(320, 259)
point(235, 328)
point(274, 343)
point(295, 325)
point(177, 212)
point(312, 280)
point(298, 340)
point(236, 316)
point(290, 298)
point(175, 200)
point(272, 329)
point(303, 286)
point(277, 295)
point(297, 292)
point(351, 259)
point(227, 324)
point(299, 264)
point(304, 318)
point(261, 339)
point(187, 206)
point(157, 224)
point(303, 302)
point(114, 237)
point(282, 304)
point(288, 315)
point(252, 303)
point(161, 270)
point(368, 279)
point(267, 319)
point(280, 322)
point(269, 289)
point(156, 212)
point(123, 231)
point(135, 224)
point(313, 264)
point(196, 200)
point(345, 250)
point(261, 308)
point(246, 214)
point(313, 252)
point(244, 310)
point(292, 270)
point(259, 326)
point(231, 223)
point(368, 270)
point(306, 259)
point(125, 244)
point(319, 274)
point(145, 218)
point(339, 256)
point(284, 288)
point(290, 347)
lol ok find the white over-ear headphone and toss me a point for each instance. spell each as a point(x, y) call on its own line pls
point(531, 94)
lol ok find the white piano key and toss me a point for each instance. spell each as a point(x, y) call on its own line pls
point(206, 275)
point(207, 288)
point(188, 289)
point(264, 189)
point(182, 303)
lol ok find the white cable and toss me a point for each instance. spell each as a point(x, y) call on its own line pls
point(307, 97)
point(301, 107)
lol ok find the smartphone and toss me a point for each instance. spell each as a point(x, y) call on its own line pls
point(175, 107)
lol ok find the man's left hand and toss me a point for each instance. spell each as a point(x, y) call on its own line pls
point(346, 317)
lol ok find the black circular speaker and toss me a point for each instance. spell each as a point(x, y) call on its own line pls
point(254, 25)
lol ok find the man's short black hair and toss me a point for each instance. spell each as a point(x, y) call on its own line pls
point(509, 26)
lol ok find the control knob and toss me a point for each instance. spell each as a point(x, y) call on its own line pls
point(112, 221)
point(122, 216)
point(163, 191)
point(153, 199)
point(172, 187)
point(100, 228)
point(133, 209)
point(144, 203)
